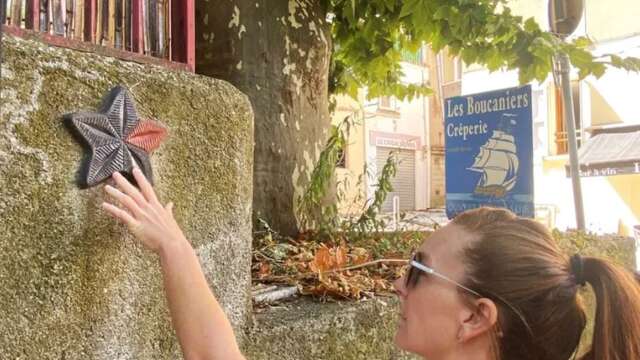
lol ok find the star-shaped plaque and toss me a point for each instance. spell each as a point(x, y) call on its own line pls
point(118, 139)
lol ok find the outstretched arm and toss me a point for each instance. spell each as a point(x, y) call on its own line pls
point(203, 330)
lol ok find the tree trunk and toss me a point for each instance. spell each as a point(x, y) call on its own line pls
point(276, 52)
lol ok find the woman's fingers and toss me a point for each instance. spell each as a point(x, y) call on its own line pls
point(120, 214)
point(128, 188)
point(125, 200)
point(145, 186)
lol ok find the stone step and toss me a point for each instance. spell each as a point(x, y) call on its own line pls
point(306, 329)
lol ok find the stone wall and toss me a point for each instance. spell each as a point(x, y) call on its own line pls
point(306, 330)
point(74, 284)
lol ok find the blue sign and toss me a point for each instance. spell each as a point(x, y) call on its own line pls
point(489, 151)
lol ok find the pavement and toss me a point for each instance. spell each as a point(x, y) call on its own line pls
point(423, 220)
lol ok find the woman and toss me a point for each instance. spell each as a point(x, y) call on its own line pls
point(489, 285)
point(498, 287)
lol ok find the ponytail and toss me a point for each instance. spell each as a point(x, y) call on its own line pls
point(616, 334)
point(518, 264)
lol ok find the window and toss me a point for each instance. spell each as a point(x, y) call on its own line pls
point(412, 57)
point(561, 135)
point(162, 29)
point(388, 103)
point(452, 68)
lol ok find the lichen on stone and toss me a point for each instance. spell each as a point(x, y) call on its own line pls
point(75, 284)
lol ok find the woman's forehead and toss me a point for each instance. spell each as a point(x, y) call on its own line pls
point(445, 243)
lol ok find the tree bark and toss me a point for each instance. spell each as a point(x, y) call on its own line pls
point(277, 53)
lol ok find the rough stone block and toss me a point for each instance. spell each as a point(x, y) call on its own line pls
point(305, 330)
point(74, 283)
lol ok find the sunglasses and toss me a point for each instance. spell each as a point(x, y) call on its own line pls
point(417, 269)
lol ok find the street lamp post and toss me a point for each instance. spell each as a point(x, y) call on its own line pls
point(564, 17)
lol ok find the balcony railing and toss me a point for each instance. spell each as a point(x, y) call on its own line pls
point(162, 29)
point(562, 141)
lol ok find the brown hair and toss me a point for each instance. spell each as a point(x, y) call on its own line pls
point(515, 262)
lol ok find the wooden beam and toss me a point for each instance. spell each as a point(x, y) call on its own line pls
point(126, 25)
point(78, 20)
point(33, 15)
point(90, 21)
point(177, 50)
point(183, 32)
point(15, 14)
point(99, 18)
point(91, 48)
point(137, 23)
point(111, 23)
point(191, 34)
point(169, 34)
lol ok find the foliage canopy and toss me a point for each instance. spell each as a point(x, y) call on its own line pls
point(369, 35)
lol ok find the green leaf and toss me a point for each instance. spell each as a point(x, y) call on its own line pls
point(541, 72)
point(409, 7)
point(391, 4)
point(583, 73)
point(531, 25)
point(442, 13)
point(582, 42)
point(369, 37)
point(580, 57)
point(598, 69)
point(469, 55)
point(617, 61)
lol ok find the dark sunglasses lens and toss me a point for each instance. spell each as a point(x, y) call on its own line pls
point(412, 277)
point(413, 274)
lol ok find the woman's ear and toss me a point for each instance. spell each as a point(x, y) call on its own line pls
point(479, 320)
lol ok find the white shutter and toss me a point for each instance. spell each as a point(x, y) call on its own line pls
point(404, 184)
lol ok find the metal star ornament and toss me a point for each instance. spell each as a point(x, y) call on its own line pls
point(117, 138)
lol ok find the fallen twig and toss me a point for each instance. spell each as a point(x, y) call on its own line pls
point(312, 274)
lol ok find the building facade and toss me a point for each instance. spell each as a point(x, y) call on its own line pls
point(415, 129)
point(384, 127)
point(606, 105)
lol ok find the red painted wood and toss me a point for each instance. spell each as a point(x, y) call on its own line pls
point(137, 24)
point(177, 46)
point(191, 35)
point(169, 33)
point(33, 15)
point(183, 32)
point(91, 48)
point(90, 21)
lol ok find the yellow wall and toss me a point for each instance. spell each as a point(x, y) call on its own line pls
point(628, 188)
point(610, 19)
point(348, 177)
point(604, 19)
point(621, 201)
point(529, 8)
point(602, 113)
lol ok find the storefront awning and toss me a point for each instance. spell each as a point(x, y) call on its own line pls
point(610, 152)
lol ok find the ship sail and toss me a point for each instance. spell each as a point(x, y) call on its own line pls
point(498, 162)
point(481, 159)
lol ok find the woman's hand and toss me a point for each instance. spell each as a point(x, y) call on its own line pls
point(146, 218)
point(201, 325)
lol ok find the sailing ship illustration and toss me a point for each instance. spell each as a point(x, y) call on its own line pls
point(497, 161)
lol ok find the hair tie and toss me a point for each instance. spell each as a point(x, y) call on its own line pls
point(577, 266)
